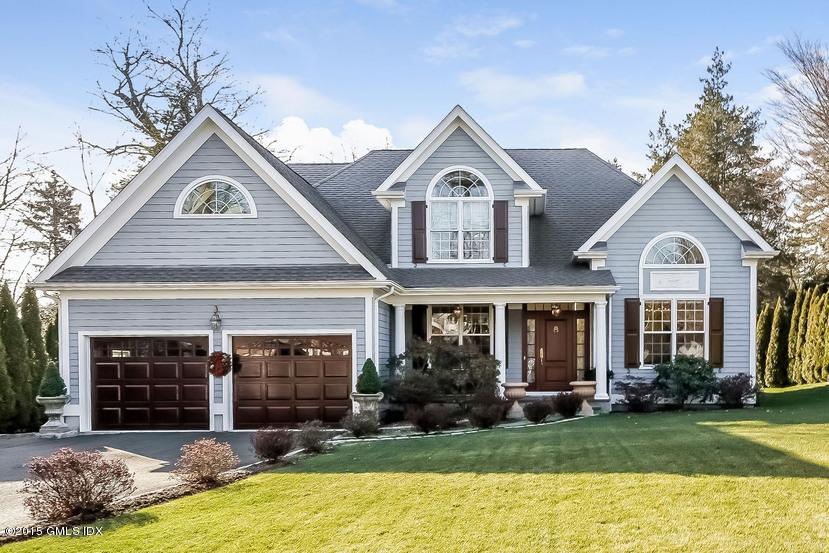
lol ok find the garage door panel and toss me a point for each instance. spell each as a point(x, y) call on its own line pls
point(337, 369)
point(150, 383)
point(308, 369)
point(250, 369)
point(249, 391)
point(136, 371)
point(303, 378)
point(136, 392)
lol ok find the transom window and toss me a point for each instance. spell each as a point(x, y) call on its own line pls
point(674, 250)
point(460, 222)
point(215, 197)
point(461, 325)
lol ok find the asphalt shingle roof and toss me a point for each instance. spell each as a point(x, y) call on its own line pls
point(210, 273)
point(315, 172)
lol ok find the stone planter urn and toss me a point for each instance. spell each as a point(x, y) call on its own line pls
point(515, 392)
point(367, 403)
point(587, 390)
point(54, 427)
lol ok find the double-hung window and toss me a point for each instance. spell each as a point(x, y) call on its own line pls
point(460, 222)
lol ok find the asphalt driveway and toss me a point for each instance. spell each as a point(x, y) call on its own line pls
point(150, 455)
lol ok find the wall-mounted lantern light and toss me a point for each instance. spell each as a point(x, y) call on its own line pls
point(556, 310)
point(215, 319)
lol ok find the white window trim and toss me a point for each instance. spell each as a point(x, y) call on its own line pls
point(460, 326)
point(673, 296)
point(178, 214)
point(459, 201)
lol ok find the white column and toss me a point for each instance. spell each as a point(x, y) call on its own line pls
point(399, 329)
point(600, 341)
point(501, 339)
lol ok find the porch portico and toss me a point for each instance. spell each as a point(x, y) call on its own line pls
point(547, 339)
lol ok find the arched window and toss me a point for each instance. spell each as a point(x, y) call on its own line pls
point(674, 250)
point(674, 302)
point(215, 196)
point(460, 221)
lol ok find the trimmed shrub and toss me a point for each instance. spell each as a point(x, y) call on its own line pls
point(74, 485)
point(369, 381)
point(312, 437)
point(202, 461)
point(567, 404)
point(538, 410)
point(639, 396)
point(432, 417)
point(735, 389)
point(360, 424)
point(52, 384)
point(487, 409)
point(415, 388)
point(271, 444)
point(684, 379)
point(775, 371)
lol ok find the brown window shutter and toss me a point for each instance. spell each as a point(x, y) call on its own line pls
point(716, 323)
point(418, 232)
point(632, 333)
point(501, 232)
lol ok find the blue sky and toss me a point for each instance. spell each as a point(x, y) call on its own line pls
point(551, 74)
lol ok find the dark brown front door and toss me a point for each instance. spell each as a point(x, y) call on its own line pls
point(150, 383)
point(283, 380)
point(557, 366)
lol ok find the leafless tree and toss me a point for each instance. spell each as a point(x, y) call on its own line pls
point(158, 86)
point(15, 179)
point(92, 175)
point(802, 114)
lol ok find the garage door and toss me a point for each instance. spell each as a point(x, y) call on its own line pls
point(283, 380)
point(150, 383)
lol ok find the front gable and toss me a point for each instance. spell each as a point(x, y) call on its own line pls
point(277, 235)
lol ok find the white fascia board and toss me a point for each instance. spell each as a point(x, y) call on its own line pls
point(206, 123)
point(244, 285)
point(590, 254)
point(678, 167)
point(457, 118)
point(389, 198)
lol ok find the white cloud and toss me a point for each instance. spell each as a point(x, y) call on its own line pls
point(412, 130)
point(285, 95)
point(525, 43)
point(462, 39)
point(587, 51)
point(614, 33)
point(281, 35)
point(295, 141)
point(499, 89)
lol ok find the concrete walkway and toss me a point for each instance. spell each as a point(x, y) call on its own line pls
point(150, 455)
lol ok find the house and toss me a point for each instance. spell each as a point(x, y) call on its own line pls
point(550, 259)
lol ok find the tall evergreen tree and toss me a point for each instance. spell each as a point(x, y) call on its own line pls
point(17, 360)
point(32, 328)
point(822, 368)
point(775, 373)
point(719, 139)
point(52, 346)
point(794, 374)
point(813, 338)
point(763, 333)
point(8, 401)
point(802, 327)
point(53, 215)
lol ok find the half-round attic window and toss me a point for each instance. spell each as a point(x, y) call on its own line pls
point(215, 196)
point(674, 250)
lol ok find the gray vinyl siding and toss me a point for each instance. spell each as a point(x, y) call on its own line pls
point(282, 315)
point(277, 236)
point(675, 208)
point(459, 149)
point(515, 345)
point(385, 336)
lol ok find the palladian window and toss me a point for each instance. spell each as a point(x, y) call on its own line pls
point(460, 224)
point(212, 197)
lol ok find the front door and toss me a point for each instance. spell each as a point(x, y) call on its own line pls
point(556, 361)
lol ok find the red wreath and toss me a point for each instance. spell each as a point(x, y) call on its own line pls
point(220, 363)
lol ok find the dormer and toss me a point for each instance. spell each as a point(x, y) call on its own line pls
point(459, 199)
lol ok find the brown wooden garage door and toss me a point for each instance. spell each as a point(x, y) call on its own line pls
point(150, 383)
point(283, 380)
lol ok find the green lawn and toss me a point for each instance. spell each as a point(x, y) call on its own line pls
point(756, 479)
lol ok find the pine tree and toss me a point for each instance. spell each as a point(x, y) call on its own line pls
point(8, 401)
point(813, 341)
point(17, 360)
point(802, 327)
point(30, 320)
point(794, 375)
point(719, 139)
point(823, 375)
point(763, 333)
point(52, 347)
point(53, 215)
point(775, 373)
